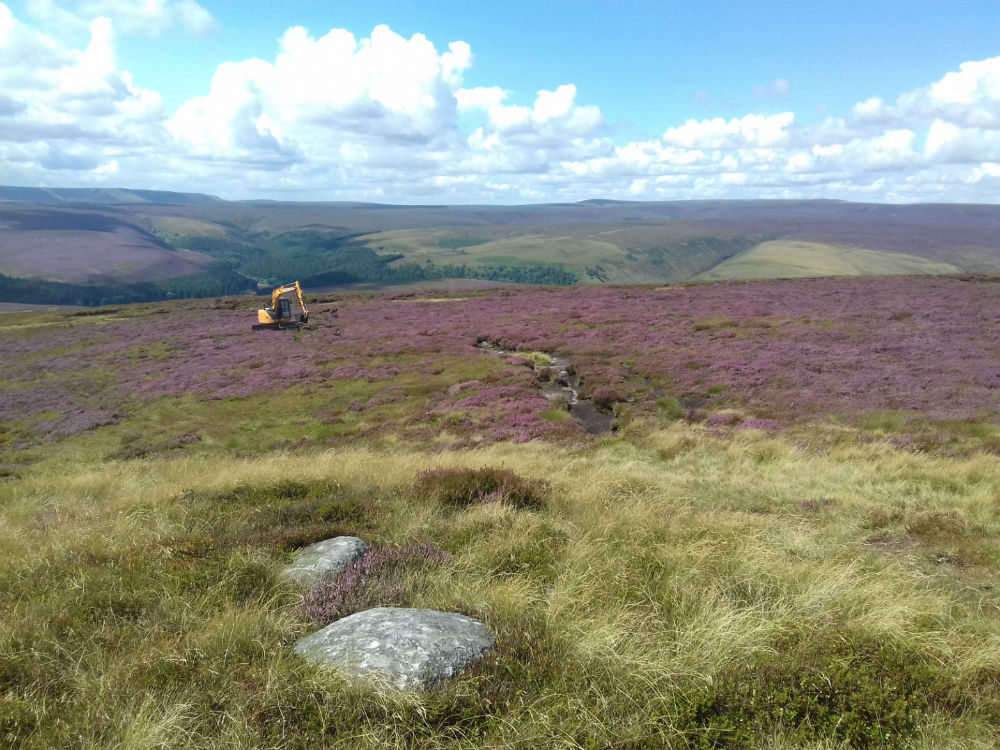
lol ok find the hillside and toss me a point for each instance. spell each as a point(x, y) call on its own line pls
point(123, 238)
point(88, 247)
point(788, 539)
point(100, 196)
point(793, 259)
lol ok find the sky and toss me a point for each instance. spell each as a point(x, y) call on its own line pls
point(505, 101)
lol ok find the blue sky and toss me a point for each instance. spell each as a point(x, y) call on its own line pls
point(641, 62)
point(473, 102)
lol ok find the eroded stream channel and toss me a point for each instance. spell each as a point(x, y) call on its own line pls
point(564, 386)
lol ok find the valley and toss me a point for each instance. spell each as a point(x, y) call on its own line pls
point(116, 246)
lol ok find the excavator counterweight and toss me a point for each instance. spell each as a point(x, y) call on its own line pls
point(279, 314)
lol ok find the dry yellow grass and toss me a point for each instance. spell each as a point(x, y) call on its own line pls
point(666, 564)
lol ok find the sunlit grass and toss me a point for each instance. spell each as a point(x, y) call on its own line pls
point(669, 570)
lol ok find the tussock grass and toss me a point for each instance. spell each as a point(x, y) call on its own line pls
point(679, 587)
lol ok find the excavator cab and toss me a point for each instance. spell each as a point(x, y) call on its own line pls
point(284, 309)
point(279, 314)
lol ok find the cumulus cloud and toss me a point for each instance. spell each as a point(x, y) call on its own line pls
point(146, 17)
point(968, 97)
point(53, 94)
point(949, 143)
point(68, 114)
point(944, 134)
point(555, 117)
point(750, 130)
point(386, 117)
point(332, 95)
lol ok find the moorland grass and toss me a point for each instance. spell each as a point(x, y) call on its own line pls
point(794, 259)
point(678, 587)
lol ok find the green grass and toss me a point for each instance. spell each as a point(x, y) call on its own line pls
point(296, 415)
point(556, 414)
point(576, 249)
point(794, 259)
point(649, 255)
point(676, 589)
point(671, 586)
point(454, 243)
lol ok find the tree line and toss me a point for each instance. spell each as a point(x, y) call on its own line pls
point(213, 283)
point(313, 259)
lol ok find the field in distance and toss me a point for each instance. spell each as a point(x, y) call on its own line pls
point(133, 245)
point(794, 259)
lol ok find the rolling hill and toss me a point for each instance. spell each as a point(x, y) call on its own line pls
point(88, 246)
point(794, 259)
point(120, 238)
point(100, 196)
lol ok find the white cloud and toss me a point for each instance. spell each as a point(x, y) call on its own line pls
point(145, 17)
point(750, 130)
point(967, 97)
point(326, 94)
point(834, 150)
point(973, 83)
point(638, 187)
point(872, 110)
point(554, 122)
point(481, 97)
point(455, 61)
point(987, 171)
point(7, 24)
point(386, 117)
point(948, 143)
point(552, 104)
point(56, 93)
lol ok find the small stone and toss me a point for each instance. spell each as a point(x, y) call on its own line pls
point(329, 557)
point(413, 649)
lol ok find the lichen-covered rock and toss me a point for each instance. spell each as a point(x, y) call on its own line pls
point(329, 557)
point(413, 649)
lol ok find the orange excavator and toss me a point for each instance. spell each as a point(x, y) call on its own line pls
point(279, 314)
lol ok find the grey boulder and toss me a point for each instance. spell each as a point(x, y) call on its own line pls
point(329, 557)
point(413, 649)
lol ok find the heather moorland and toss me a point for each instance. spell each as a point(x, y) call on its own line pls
point(103, 247)
point(789, 537)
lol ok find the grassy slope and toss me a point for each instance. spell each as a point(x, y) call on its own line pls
point(683, 587)
point(179, 226)
point(570, 252)
point(679, 590)
point(793, 259)
point(623, 253)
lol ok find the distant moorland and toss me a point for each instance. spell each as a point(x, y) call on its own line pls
point(92, 246)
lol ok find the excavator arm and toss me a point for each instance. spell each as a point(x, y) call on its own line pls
point(288, 288)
